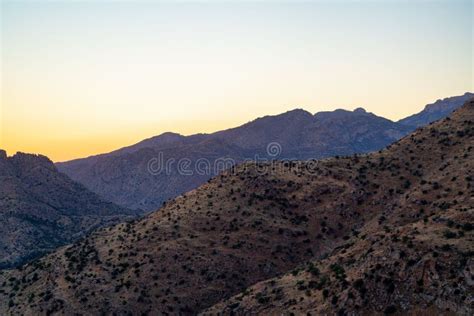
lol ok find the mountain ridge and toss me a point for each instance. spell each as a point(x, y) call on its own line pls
point(435, 111)
point(390, 219)
point(296, 134)
point(251, 141)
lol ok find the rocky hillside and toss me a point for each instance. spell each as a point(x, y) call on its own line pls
point(124, 177)
point(386, 232)
point(414, 255)
point(41, 208)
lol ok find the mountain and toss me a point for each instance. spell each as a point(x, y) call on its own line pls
point(41, 209)
point(124, 176)
point(413, 256)
point(437, 110)
point(305, 136)
point(386, 232)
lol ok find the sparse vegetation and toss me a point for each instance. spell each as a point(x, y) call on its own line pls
point(351, 238)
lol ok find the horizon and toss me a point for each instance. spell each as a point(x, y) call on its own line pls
point(9, 154)
point(82, 78)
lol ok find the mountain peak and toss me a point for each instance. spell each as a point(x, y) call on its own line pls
point(298, 112)
point(164, 137)
point(291, 115)
point(170, 134)
point(28, 161)
point(340, 114)
point(360, 110)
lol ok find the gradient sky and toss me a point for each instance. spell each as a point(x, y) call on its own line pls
point(85, 77)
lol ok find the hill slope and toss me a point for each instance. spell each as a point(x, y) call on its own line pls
point(384, 214)
point(41, 208)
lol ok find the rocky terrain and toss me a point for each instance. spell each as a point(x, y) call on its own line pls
point(388, 232)
point(124, 178)
point(414, 256)
point(41, 209)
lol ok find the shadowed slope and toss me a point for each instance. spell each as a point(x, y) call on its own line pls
point(41, 208)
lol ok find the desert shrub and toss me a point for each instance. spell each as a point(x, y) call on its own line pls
point(448, 234)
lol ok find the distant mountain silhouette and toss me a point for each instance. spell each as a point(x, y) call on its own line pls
point(123, 177)
point(436, 111)
point(41, 208)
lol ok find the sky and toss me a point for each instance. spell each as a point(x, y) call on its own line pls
point(84, 77)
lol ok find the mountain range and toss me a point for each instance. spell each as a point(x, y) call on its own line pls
point(41, 209)
point(387, 232)
point(437, 110)
point(123, 176)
